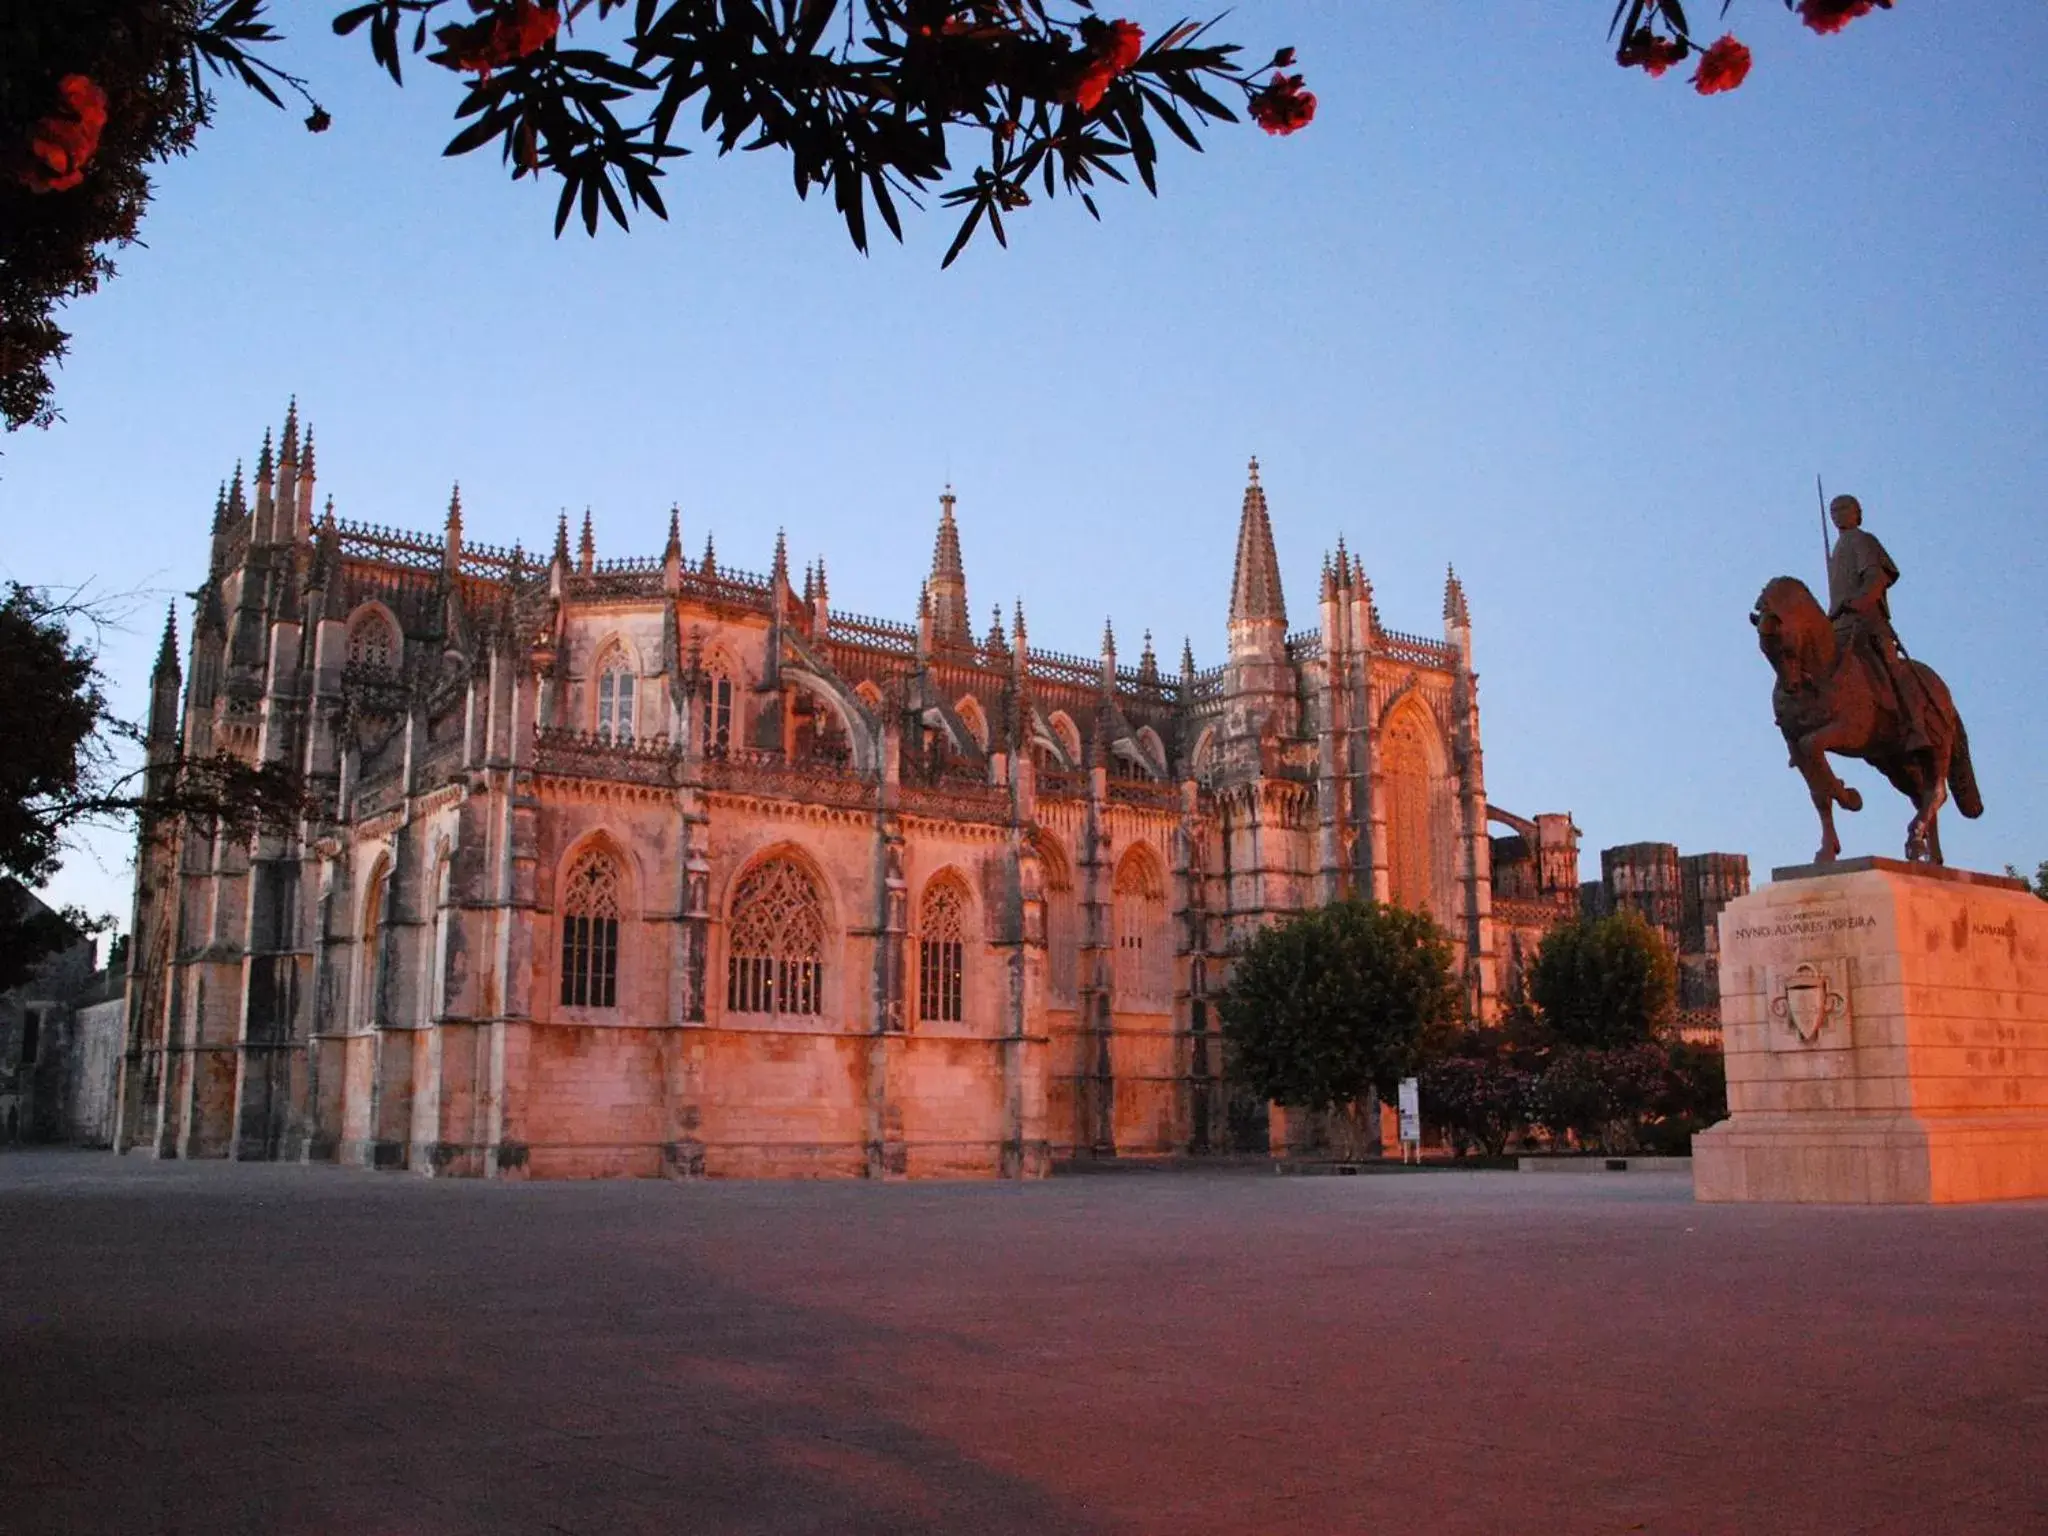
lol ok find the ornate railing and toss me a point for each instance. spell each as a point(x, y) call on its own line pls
point(370, 541)
point(1305, 644)
point(1396, 646)
point(626, 581)
point(490, 560)
point(764, 773)
point(1146, 792)
point(580, 754)
point(955, 802)
point(1059, 784)
point(880, 634)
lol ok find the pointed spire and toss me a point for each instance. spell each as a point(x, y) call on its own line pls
point(586, 547)
point(673, 550)
point(263, 466)
point(995, 641)
point(780, 572)
point(822, 588)
point(1187, 658)
point(306, 456)
point(950, 618)
point(290, 455)
point(1148, 664)
point(1017, 634)
point(710, 557)
point(1108, 638)
point(1255, 586)
point(810, 584)
point(167, 653)
point(220, 508)
point(1455, 611)
point(561, 538)
point(451, 538)
point(238, 506)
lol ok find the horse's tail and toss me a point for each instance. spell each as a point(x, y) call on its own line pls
point(1962, 775)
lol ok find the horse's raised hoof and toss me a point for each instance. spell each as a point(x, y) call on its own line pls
point(1849, 799)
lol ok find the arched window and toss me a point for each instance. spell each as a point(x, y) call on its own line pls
point(437, 987)
point(717, 714)
point(615, 698)
point(371, 642)
point(375, 956)
point(776, 959)
point(590, 933)
point(941, 952)
point(1062, 945)
point(1144, 959)
point(1405, 762)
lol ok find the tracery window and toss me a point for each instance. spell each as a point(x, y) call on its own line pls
point(590, 933)
point(941, 953)
point(717, 714)
point(1062, 945)
point(775, 963)
point(1143, 959)
point(1405, 761)
point(370, 641)
point(615, 699)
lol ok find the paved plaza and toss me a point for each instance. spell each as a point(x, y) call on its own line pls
point(228, 1348)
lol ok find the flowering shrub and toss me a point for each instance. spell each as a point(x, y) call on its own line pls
point(1654, 35)
point(1283, 106)
point(62, 143)
point(1111, 51)
point(1722, 67)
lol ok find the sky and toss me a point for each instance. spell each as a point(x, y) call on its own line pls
point(1586, 336)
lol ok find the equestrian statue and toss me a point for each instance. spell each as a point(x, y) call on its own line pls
point(1845, 685)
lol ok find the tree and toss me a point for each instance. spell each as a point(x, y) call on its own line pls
point(1606, 982)
point(2038, 885)
point(1329, 1004)
point(66, 761)
point(866, 98)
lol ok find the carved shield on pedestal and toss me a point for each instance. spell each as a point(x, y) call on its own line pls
point(1808, 1002)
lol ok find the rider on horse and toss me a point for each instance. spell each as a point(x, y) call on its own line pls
point(1860, 573)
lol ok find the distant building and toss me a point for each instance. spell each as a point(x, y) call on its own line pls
point(1681, 896)
point(60, 1044)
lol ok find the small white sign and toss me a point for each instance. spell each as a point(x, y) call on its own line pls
point(1411, 1110)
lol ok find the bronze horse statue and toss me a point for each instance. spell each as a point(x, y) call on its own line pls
point(1830, 698)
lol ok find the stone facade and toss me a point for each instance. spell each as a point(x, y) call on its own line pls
point(654, 866)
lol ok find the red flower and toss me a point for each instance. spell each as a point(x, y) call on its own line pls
point(1645, 50)
point(1111, 50)
point(61, 144)
point(514, 32)
point(1722, 67)
point(1833, 15)
point(1283, 106)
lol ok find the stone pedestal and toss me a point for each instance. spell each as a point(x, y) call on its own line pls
point(1886, 1028)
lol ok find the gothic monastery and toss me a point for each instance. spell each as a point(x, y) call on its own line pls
point(653, 866)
